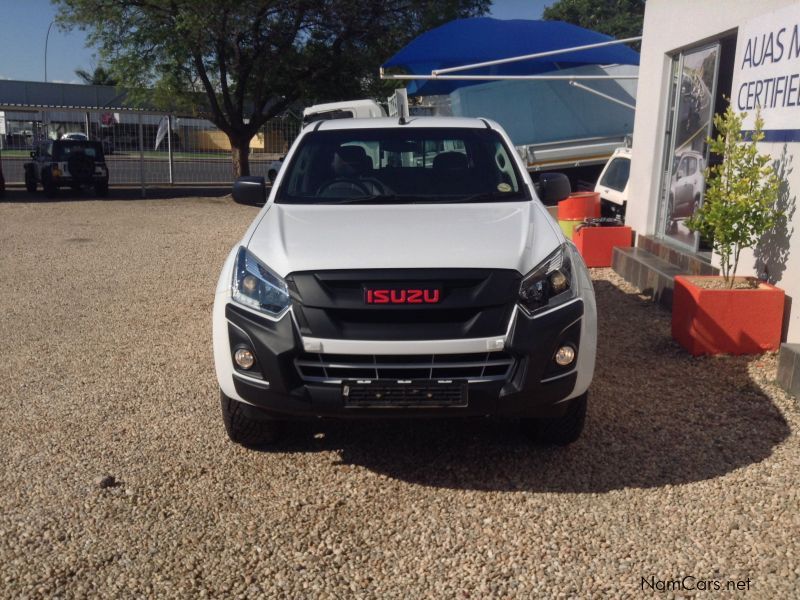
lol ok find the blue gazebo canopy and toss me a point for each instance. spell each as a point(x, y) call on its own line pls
point(468, 41)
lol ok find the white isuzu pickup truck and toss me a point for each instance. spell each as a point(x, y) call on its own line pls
point(403, 268)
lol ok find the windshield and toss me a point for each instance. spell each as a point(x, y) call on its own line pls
point(616, 175)
point(401, 165)
point(64, 149)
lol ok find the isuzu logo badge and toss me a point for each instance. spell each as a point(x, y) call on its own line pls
point(402, 295)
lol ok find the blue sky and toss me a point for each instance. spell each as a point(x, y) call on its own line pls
point(24, 27)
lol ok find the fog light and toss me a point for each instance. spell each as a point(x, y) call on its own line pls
point(565, 356)
point(244, 358)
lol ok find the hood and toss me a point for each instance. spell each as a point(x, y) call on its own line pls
point(314, 237)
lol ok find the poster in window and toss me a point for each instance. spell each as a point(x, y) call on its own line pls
point(694, 111)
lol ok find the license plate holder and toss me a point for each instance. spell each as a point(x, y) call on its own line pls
point(404, 393)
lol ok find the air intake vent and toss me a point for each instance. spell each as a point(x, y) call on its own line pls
point(333, 368)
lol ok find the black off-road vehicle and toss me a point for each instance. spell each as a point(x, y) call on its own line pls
point(62, 163)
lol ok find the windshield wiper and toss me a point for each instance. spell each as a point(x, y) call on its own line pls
point(374, 199)
point(483, 197)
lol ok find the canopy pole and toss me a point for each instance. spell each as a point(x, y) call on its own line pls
point(141, 157)
point(506, 77)
point(502, 61)
point(602, 95)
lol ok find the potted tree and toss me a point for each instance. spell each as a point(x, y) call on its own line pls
point(729, 314)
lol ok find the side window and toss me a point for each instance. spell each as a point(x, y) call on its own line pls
point(503, 162)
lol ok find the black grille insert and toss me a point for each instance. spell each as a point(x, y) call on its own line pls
point(335, 368)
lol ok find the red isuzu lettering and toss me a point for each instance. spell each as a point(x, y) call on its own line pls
point(400, 296)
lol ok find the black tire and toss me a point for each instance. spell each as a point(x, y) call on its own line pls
point(272, 174)
point(50, 190)
point(244, 430)
point(30, 184)
point(558, 431)
point(101, 189)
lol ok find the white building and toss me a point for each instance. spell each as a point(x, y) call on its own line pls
point(694, 56)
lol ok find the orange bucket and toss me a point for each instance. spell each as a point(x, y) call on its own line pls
point(579, 206)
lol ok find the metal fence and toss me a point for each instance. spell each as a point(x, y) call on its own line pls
point(143, 148)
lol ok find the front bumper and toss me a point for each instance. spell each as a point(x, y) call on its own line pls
point(70, 180)
point(534, 386)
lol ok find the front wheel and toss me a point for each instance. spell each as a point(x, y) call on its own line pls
point(101, 189)
point(50, 190)
point(558, 431)
point(244, 430)
point(30, 184)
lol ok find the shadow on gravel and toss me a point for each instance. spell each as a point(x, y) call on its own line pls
point(656, 416)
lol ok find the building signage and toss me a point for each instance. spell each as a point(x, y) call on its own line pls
point(767, 73)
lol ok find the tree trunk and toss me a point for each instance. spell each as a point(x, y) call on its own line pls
point(240, 151)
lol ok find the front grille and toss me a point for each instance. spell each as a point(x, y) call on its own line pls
point(474, 303)
point(333, 368)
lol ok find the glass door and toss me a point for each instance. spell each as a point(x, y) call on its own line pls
point(690, 122)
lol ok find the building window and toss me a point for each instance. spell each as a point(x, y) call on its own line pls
point(700, 86)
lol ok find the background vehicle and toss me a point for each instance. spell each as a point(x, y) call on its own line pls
point(108, 143)
point(67, 163)
point(686, 187)
point(613, 183)
point(2, 179)
point(403, 270)
point(349, 109)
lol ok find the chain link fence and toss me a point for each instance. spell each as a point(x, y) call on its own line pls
point(144, 148)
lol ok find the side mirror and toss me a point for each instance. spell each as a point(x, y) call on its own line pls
point(250, 190)
point(553, 188)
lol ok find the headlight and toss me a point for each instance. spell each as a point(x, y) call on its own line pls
point(254, 285)
point(550, 283)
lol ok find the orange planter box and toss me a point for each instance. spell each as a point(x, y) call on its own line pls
point(596, 244)
point(579, 206)
point(723, 321)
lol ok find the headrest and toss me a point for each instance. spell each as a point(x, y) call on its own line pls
point(450, 161)
point(352, 155)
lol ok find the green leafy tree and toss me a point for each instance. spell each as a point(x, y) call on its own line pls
point(241, 62)
point(618, 18)
point(739, 206)
point(99, 76)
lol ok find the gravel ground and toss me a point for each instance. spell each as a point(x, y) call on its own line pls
point(118, 479)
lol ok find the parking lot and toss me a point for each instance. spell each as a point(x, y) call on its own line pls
point(688, 467)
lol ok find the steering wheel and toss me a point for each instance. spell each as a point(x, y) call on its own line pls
point(380, 187)
point(346, 187)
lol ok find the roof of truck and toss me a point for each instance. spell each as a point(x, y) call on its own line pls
point(413, 122)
